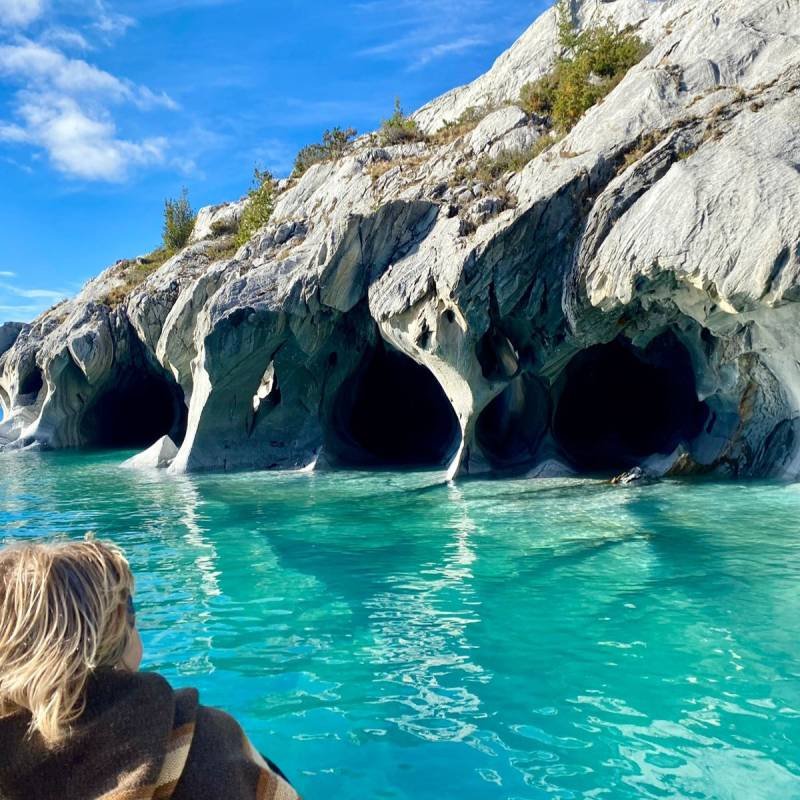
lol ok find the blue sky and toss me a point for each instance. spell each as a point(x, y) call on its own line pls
point(109, 106)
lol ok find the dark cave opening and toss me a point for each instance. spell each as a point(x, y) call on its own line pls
point(30, 386)
point(392, 413)
point(135, 412)
point(617, 404)
point(511, 427)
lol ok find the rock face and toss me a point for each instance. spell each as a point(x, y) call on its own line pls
point(9, 332)
point(630, 296)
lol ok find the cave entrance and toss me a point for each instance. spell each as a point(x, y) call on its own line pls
point(617, 404)
point(392, 413)
point(137, 410)
point(29, 387)
point(32, 383)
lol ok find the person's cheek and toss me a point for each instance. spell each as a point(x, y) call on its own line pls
point(139, 651)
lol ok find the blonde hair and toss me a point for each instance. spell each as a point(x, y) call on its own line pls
point(63, 614)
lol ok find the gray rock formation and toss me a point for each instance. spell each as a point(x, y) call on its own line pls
point(9, 332)
point(629, 296)
point(158, 456)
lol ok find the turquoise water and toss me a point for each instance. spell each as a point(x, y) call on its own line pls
point(382, 636)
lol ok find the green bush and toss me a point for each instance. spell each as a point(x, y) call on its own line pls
point(537, 97)
point(335, 144)
point(178, 222)
point(467, 121)
point(224, 227)
point(489, 169)
point(152, 261)
point(308, 156)
point(567, 34)
point(595, 61)
point(260, 203)
point(400, 129)
point(132, 273)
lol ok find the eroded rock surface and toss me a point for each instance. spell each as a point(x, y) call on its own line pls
point(629, 297)
point(158, 456)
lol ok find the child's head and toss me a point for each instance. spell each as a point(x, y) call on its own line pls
point(65, 610)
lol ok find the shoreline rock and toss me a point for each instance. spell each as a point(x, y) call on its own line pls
point(158, 456)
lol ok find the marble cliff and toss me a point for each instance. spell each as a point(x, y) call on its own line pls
point(629, 296)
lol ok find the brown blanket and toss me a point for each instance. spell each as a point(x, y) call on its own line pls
point(138, 740)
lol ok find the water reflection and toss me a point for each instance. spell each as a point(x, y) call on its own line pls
point(419, 628)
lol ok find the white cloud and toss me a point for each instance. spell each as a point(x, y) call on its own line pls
point(448, 48)
point(80, 145)
point(20, 313)
point(13, 133)
point(111, 24)
point(33, 63)
point(63, 105)
point(147, 99)
point(30, 304)
point(51, 295)
point(18, 13)
point(417, 44)
point(65, 37)
point(4, 273)
point(420, 31)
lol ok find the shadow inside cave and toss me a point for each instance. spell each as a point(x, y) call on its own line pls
point(30, 386)
point(615, 404)
point(391, 413)
point(136, 410)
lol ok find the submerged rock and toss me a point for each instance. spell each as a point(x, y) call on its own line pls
point(630, 291)
point(636, 476)
point(551, 469)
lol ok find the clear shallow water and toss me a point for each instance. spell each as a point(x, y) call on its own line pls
point(384, 637)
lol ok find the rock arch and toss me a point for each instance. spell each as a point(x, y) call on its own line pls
point(616, 404)
point(392, 412)
point(133, 411)
point(31, 385)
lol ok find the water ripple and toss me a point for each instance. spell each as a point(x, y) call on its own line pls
point(390, 636)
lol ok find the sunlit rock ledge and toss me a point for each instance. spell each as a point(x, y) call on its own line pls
point(630, 300)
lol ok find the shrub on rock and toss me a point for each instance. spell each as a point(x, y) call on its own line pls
point(399, 128)
point(335, 144)
point(537, 97)
point(179, 220)
point(260, 203)
point(595, 61)
point(467, 121)
point(489, 169)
